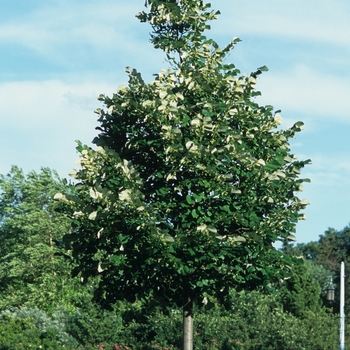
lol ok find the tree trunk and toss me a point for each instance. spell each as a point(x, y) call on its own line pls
point(188, 323)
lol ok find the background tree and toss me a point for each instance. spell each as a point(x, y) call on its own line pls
point(301, 294)
point(31, 272)
point(191, 181)
point(324, 257)
point(310, 251)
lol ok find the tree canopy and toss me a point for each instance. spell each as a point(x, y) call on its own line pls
point(192, 181)
point(31, 271)
point(323, 258)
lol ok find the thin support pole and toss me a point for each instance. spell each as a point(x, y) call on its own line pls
point(342, 309)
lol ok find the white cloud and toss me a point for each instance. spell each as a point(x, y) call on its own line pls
point(46, 102)
point(308, 92)
point(62, 31)
point(98, 23)
point(327, 21)
point(41, 120)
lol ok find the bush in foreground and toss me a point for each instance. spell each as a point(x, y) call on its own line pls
point(253, 322)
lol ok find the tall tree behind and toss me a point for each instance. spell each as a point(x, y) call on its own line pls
point(301, 294)
point(335, 248)
point(31, 273)
point(328, 252)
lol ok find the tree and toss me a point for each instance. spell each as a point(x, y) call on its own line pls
point(31, 272)
point(310, 250)
point(301, 294)
point(191, 181)
point(324, 257)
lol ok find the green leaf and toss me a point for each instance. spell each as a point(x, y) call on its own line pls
point(189, 200)
point(191, 251)
point(263, 69)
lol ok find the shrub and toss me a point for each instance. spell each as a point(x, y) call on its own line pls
point(21, 333)
point(89, 325)
point(53, 326)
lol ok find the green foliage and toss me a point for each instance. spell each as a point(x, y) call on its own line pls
point(86, 327)
point(310, 250)
point(301, 294)
point(191, 181)
point(146, 328)
point(323, 259)
point(177, 27)
point(21, 333)
point(254, 321)
point(31, 270)
point(90, 326)
point(264, 325)
point(334, 248)
point(56, 324)
point(319, 273)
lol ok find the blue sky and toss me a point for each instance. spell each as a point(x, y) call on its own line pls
point(57, 56)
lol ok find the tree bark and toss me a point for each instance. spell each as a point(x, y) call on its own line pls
point(188, 323)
